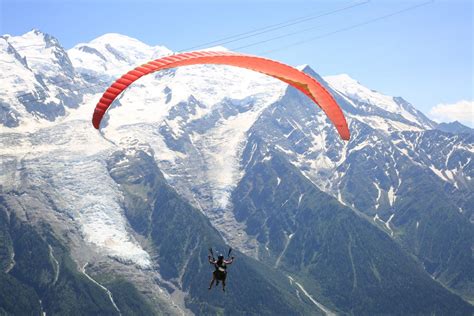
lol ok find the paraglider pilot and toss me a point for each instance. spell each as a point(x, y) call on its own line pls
point(220, 272)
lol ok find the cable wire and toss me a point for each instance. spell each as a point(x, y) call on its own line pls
point(274, 27)
point(344, 29)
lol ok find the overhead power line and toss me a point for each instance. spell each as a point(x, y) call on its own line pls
point(344, 29)
point(276, 38)
point(273, 27)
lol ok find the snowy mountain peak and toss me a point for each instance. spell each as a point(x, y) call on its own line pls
point(347, 85)
point(43, 53)
point(341, 79)
point(34, 39)
point(370, 105)
point(310, 71)
point(118, 40)
point(41, 81)
point(112, 54)
point(17, 79)
point(302, 67)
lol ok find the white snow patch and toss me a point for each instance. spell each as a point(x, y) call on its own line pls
point(362, 145)
point(109, 294)
point(379, 194)
point(384, 124)
point(391, 196)
point(387, 224)
point(12, 263)
point(56, 264)
point(288, 240)
point(323, 308)
point(339, 197)
point(299, 201)
point(286, 151)
point(267, 158)
point(439, 173)
point(450, 175)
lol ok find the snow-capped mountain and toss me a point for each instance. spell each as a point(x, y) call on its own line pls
point(111, 55)
point(45, 56)
point(39, 82)
point(376, 109)
point(207, 138)
point(17, 80)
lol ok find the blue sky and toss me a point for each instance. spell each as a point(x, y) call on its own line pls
point(424, 54)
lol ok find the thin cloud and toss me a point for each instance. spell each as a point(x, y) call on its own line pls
point(462, 111)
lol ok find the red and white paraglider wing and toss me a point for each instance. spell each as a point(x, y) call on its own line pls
point(294, 77)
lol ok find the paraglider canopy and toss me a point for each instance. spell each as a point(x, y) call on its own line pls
point(294, 77)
